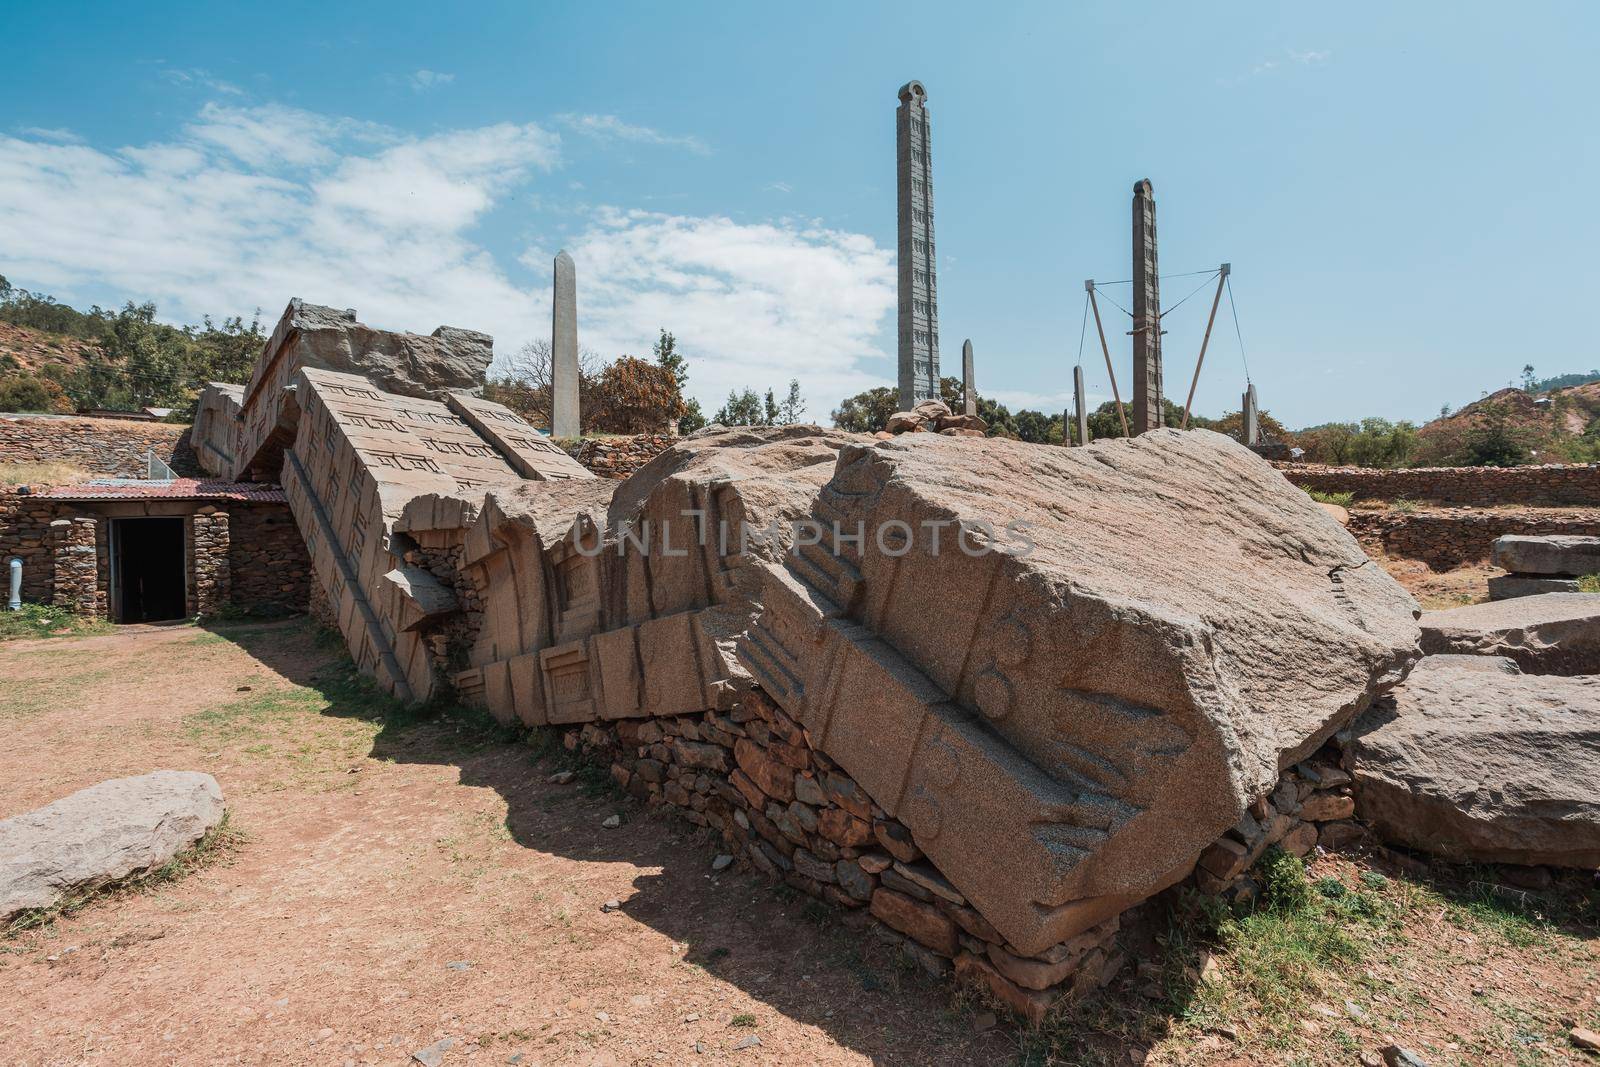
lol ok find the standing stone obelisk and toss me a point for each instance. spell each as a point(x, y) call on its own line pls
point(969, 383)
point(1079, 406)
point(1146, 413)
point(919, 282)
point(564, 415)
point(1252, 418)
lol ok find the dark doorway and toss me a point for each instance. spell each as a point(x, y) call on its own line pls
point(147, 570)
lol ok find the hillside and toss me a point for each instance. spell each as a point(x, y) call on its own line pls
point(1556, 426)
point(28, 351)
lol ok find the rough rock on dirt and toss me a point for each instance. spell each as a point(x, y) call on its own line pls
point(1472, 760)
point(1553, 633)
point(103, 834)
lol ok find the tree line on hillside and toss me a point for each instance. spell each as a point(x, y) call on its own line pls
point(133, 361)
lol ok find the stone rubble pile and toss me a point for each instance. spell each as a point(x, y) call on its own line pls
point(934, 416)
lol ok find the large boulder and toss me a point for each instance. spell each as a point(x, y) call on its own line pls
point(102, 834)
point(1070, 700)
point(1472, 760)
point(1509, 586)
point(1556, 554)
point(1552, 633)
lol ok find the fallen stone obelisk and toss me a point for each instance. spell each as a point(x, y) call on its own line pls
point(1548, 564)
point(101, 835)
point(1552, 633)
point(1472, 760)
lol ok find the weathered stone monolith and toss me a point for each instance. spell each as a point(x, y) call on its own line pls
point(969, 381)
point(1080, 407)
point(1146, 413)
point(1252, 417)
point(564, 418)
point(919, 283)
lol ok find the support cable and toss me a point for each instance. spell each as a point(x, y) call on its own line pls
point(1083, 331)
point(1197, 288)
point(1114, 304)
point(1232, 307)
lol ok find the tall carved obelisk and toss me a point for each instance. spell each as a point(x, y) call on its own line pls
point(1146, 413)
point(564, 415)
point(919, 282)
point(969, 381)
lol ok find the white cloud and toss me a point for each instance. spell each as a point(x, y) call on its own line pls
point(247, 207)
point(60, 136)
point(199, 79)
point(423, 80)
point(751, 304)
point(780, 187)
point(1304, 58)
point(611, 128)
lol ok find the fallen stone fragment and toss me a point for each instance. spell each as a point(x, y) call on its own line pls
point(1554, 633)
point(722, 862)
point(1588, 1040)
point(1509, 586)
point(103, 834)
point(612, 822)
point(433, 1055)
point(748, 1041)
point(1472, 764)
point(1396, 1056)
point(1555, 554)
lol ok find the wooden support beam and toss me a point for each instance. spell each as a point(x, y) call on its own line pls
point(1222, 277)
point(1099, 329)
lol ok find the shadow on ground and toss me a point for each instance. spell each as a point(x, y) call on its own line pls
point(806, 960)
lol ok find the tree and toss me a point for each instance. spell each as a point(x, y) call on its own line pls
point(1232, 425)
point(742, 409)
point(692, 418)
point(1372, 442)
point(1528, 378)
point(635, 396)
point(793, 405)
point(666, 351)
point(524, 384)
point(29, 392)
point(866, 412)
point(1494, 442)
point(770, 410)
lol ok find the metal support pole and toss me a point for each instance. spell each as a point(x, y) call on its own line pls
point(1222, 277)
point(1099, 329)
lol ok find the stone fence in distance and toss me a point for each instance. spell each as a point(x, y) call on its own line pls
point(1549, 485)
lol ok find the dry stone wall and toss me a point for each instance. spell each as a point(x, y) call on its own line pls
point(267, 560)
point(107, 447)
point(1444, 539)
point(618, 457)
point(1550, 485)
point(25, 533)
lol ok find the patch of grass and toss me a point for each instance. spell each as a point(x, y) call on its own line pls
point(41, 472)
point(743, 1019)
point(1589, 583)
point(44, 620)
point(218, 842)
point(1403, 506)
point(1343, 499)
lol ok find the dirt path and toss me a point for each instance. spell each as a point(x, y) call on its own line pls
point(399, 886)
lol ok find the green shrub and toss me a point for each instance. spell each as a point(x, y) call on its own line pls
point(1343, 499)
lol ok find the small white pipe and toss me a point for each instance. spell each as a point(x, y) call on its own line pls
point(15, 603)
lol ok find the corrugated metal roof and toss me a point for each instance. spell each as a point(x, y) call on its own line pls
point(175, 489)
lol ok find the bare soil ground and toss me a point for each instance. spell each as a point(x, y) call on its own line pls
point(1437, 590)
point(405, 881)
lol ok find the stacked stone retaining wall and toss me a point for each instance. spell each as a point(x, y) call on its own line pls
point(1444, 539)
point(618, 457)
point(106, 447)
point(1540, 486)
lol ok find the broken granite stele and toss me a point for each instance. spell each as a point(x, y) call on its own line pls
point(1066, 671)
point(1471, 759)
point(101, 835)
point(1552, 633)
point(1547, 564)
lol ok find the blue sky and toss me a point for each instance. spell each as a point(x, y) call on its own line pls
point(1406, 192)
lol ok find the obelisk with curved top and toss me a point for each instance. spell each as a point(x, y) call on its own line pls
point(1146, 412)
point(969, 384)
point(564, 416)
point(919, 282)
